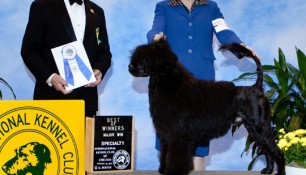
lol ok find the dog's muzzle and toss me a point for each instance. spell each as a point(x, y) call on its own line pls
point(132, 69)
point(137, 72)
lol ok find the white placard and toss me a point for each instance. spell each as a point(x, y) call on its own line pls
point(73, 64)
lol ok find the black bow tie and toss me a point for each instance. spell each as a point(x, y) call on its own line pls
point(77, 1)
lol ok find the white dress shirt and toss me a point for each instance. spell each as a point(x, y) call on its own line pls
point(78, 18)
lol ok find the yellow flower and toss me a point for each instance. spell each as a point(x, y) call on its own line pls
point(288, 145)
point(282, 143)
point(282, 131)
point(290, 135)
point(300, 132)
point(295, 140)
point(303, 141)
point(288, 142)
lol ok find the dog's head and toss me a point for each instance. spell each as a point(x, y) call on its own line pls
point(30, 158)
point(153, 58)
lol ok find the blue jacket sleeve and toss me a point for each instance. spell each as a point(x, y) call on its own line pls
point(159, 22)
point(225, 35)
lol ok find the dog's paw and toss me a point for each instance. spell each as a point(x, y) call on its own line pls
point(161, 170)
point(281, 173)
point(266, 171)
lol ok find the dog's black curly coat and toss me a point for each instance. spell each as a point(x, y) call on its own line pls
point(187, 111)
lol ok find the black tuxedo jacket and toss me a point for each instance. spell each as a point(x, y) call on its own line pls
point(50, 26)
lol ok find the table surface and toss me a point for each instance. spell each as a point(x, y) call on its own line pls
point(192, 173)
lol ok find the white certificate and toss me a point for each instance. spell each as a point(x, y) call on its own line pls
point(73, 64)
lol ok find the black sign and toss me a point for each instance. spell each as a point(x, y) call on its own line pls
point(113, 141)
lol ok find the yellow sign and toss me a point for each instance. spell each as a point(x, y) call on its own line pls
point(42, 137)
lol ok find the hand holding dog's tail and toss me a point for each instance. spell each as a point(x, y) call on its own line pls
point(241, 51)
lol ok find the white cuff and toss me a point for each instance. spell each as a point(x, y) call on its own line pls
point(49, 80)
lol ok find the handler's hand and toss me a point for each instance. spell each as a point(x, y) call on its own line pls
point(252, 50)
point(159, 36)
point(98, 76)
point(59, 84)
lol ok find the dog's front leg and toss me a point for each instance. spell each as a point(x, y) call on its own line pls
point(163, 155)
point(179, 157)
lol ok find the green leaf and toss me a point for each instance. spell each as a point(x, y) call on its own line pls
point(245, 76)
point(279, 101)
point(248, 143)
point(301, 83)
point(282, 75)
point(280, 118)
point(235, 127)
point(295, 122)
point(268, 68)
point(251, 164)
point(295, 80)
point(6, 84)
point(282, 60)
point(292, 69)
point(270, 82)
point(254, 150)
point(302, 62)
point(270, 93)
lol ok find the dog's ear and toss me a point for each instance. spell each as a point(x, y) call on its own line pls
point(43, 153)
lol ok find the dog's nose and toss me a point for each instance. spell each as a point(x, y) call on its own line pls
point(131, 67)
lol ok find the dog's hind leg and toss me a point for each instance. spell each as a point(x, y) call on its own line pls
point(270, 148)
point(259, 142)
point(179, 157)
point(263, 136)
point(278, 156)
point(255, 112)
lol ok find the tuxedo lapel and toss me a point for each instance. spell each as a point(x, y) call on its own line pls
point(90, 17)
point(61, 11)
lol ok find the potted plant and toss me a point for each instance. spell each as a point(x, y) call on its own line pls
point(293, 144)
point(7, 85)
point(286, 90)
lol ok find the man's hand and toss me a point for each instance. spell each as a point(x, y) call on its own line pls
point(59, 84)
point(98, 76)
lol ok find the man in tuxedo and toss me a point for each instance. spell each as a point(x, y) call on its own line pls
point(53, 23)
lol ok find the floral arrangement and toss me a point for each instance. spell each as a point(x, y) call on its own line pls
point(293, 144)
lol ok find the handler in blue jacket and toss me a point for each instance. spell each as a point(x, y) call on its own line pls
point(189, 27)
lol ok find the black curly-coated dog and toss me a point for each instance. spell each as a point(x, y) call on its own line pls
point(187, 111)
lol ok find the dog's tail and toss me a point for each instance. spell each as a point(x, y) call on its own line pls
point(241, 51)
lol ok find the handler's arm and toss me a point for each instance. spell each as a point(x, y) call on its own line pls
point(159, 23)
